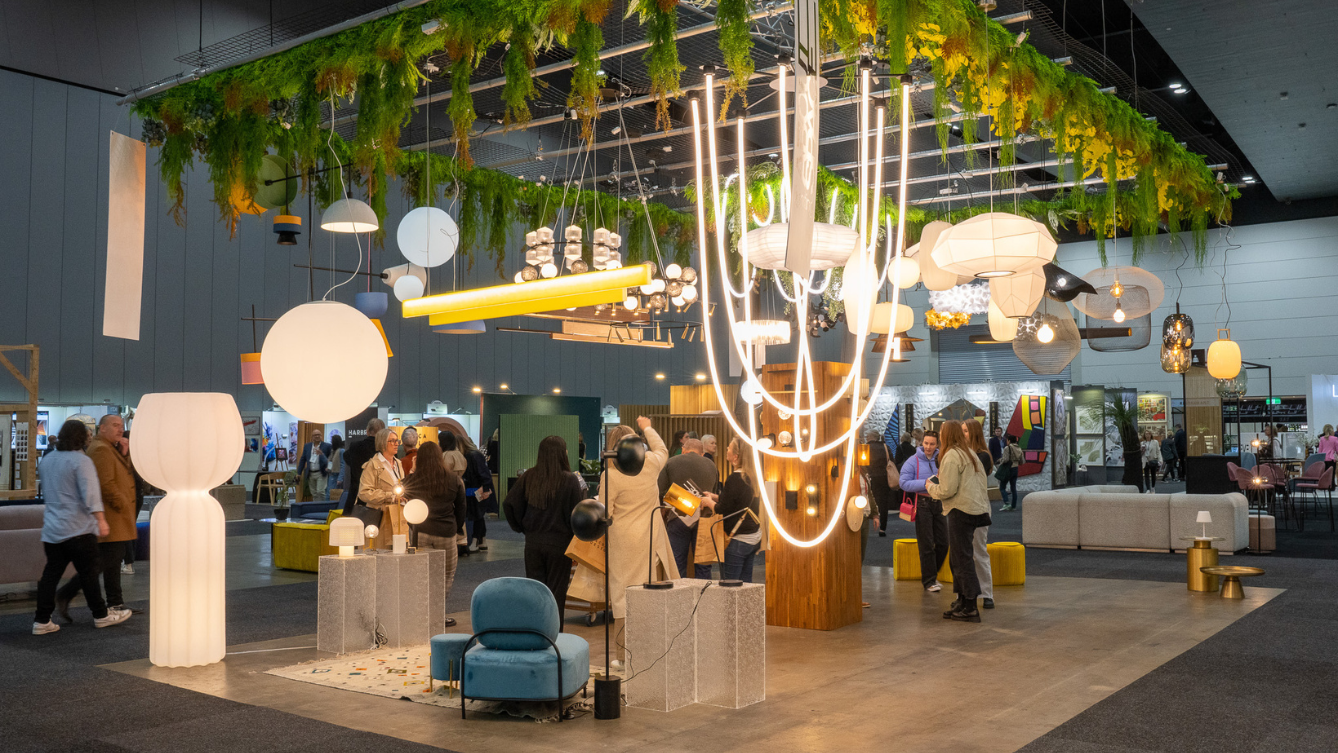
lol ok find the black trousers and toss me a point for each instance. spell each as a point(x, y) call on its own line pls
point(551, 566)
point(1150, 474)
point(110, 556)
point(82, 552)
point(931, 536)
point(961, 534)
point(883, 497)
point(479, 520)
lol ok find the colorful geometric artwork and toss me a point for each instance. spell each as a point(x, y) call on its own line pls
point(892, 434)
point(1028, 425)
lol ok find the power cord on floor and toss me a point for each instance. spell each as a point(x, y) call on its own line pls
point(670, 648)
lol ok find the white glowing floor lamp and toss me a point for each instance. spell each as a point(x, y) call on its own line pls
point(186, 443)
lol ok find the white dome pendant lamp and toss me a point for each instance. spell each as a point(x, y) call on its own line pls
point(293, 362)
point(1224, 356)
point(349, 216)
point(994, 244)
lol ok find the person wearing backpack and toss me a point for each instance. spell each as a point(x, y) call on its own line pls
point(1009, 461)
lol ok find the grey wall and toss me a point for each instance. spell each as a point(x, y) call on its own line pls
point(198, 282)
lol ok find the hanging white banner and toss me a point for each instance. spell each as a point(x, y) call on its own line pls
point(804, 185)
point(125, 239)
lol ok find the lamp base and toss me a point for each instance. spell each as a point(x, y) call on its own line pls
point(658, 585)
point(730, 583)
point(608, 697)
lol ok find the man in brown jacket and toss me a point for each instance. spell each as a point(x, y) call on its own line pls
point(110, 452)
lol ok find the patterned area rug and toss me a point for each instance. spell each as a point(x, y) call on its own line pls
point(405, 674)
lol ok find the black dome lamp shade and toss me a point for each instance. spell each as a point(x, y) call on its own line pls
point(1064, 286)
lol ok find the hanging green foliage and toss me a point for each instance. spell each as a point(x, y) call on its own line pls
point(520, 82)
point(660, 17)
point(736, 46)
point(586, 42)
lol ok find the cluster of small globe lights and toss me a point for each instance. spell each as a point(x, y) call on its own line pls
point(540, 247)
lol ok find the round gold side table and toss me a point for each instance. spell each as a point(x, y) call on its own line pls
point(1231, 575)
point(1202, 554)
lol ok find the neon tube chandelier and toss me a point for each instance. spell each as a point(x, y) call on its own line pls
point(863, 278)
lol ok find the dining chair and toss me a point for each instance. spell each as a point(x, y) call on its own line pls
point(1323, 484)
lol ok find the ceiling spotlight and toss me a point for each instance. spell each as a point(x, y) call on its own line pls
point(667, 148)
point(616, 130)
point(1248, 178)
point(1180, 90)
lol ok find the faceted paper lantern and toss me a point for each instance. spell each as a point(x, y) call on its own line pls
point(880, 323)
point(1224, 356)
point(349, 216)
point(994, 244)
point(1018, 295)
point(1139, 329)
point(1002, 328)
point(832, 245)
point(427, 236)
point(931, 275)
point(186, 443)
point(1102, 304)
point(1065, 340)
point(1178, 331)
point(294, 363)
point(1174, 360)
point(1063, 285)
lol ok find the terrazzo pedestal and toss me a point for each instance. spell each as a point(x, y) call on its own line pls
point(346, 604)
point(436, 590)
point(660, 624)
point(402, 598)
point(731, 646)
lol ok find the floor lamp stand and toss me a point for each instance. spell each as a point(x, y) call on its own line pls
point(608, 689)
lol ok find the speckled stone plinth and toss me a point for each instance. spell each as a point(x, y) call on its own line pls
point(436, 590)
point(402, 598)
point(346, 604)
point(732, 646)
point(661, 639)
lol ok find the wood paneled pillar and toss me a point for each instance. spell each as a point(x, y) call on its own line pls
point(816, 587)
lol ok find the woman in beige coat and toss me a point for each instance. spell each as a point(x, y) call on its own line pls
point(632, 504)
point(381, 476)
point(960, 486)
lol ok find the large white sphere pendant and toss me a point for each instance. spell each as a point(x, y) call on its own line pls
point(428, 237)
point(293, 361)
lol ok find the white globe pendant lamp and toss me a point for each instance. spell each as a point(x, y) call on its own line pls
point(1018, 295)
point(1224, 356)
point(408, 287)
point(293, 362)
point(428, 237)
point(931, 275)
point(905, 272)
point(1002, 328)
point(994, 244)
point(349, 216)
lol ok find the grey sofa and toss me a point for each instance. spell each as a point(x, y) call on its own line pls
point(1119, 517)
point(21, 541)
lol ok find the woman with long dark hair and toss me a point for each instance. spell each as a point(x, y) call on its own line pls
point(539, 505)
point(444, 494)
point(959, 486)
point(478, 493)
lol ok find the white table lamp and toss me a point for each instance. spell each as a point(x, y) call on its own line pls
point(346, 533)
point(1204, 518)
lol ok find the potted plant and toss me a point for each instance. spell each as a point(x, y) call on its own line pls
point(281, 496)
point(1125, 417)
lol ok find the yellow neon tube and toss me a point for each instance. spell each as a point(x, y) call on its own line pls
point(536, 305)
point(527, 297)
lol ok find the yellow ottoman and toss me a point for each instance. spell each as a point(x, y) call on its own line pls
point(906, 562)
point(1008, 563)
point(299, 546)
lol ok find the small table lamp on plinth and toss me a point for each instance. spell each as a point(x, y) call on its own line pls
point(1204, 519)
point(346, 533)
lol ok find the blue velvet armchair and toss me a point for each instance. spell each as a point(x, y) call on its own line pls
point(518, 652)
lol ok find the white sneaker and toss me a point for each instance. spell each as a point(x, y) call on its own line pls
point(934, 588)
point(127, 569)
point(40, 628)
point(114, 617)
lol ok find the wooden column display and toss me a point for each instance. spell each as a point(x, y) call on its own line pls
point(25, 418)
point(816, 587)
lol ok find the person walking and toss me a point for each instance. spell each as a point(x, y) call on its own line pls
point(381, 487)
point(1012, 458)
point(539, 505)
point(1181, 449)
point(109, 451)
point(355, 458)
point(980, 553)
point(478, 493)
point(738, 494)
point(690, 469)
point(315, 463)
point(1151, 462)
point(336, 466)
point(931, 529)
point(875, 474)
point(997, 444)
point(444, 495)
point(960, 488)
point(72, 521)
point(1169, 462)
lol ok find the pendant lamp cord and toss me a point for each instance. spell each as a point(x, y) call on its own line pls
point(329, 144)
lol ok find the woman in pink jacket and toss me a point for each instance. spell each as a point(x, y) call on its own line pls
point(1328, 444)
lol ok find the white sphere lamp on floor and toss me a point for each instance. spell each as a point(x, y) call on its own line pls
point(293, 362)
point(186, 443)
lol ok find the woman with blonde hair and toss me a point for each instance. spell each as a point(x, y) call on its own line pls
point(382, 488)
point(738, 494)
point(1151, 461)
point(975, 439)
point(1328, 444)
point(960, 487)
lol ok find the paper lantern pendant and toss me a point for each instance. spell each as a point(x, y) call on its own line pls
point(994, 244)
point(880, 322)
point(1018, 295)
point(293, 362)
point(1224, 356)
point(251, 369)
point(931, 275)
point(1002, 328)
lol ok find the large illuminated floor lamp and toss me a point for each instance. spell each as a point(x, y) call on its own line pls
point(186, 443)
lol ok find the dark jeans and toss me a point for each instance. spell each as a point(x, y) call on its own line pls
point(1009, 481)
point(1150, 474)
point(931, 535)
point(110, 554)
point(883, 497)
point(551, 566)
point(961, 534)
point(476, 521)
point(82, 552)
point(738, 564)
point(682, 539)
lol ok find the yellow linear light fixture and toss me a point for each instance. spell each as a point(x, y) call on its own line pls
point(516, 299)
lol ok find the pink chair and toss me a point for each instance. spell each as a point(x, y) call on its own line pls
point(1323, 484)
